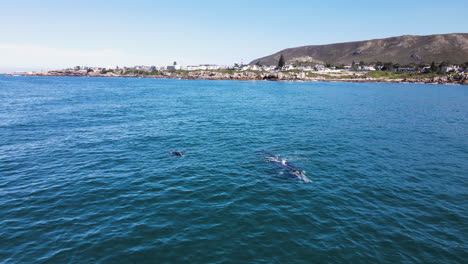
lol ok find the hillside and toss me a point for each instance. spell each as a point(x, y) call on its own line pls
point(403, 50)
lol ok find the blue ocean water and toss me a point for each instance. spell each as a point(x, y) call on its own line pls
point(86, 175)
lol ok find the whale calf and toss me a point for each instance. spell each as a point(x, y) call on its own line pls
point(177, 153)
point(300, 174)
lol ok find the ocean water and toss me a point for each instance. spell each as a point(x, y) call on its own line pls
point(86, 175)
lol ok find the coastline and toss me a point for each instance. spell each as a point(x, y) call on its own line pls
point(461, 79)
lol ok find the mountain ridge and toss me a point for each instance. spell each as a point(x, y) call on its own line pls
point(405, 49)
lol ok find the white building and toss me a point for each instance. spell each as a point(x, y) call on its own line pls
point(288, 67)
point(204, 67)
point(142, 68)
point(254, 68)
point(319, 67)
point(426, 69)
point(449, 69)
point(195, 68)
point(172, 67)
point(212, 67)
point(268, 68)
point(366, 68)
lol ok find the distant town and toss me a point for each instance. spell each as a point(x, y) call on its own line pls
point(361, 66)
point(300, 71)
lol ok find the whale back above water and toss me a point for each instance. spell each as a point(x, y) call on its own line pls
point(177, 153)
point(300, 174)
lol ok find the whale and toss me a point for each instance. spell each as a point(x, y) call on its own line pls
point(300, 174)
point(177, 153)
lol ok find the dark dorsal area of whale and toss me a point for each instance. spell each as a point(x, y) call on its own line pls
point(285, 166)
point(177, 153)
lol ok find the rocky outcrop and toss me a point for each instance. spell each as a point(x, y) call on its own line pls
point(245, 75)
point(460, 78)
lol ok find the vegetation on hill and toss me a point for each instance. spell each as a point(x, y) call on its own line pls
point(281, 61)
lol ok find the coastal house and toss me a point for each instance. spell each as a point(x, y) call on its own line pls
point(204, 67)
point(195, 67)
point(142, 68)
point(173, 67)
point(319, 67)
point(254, 68)
point(268, 68)
point(405, 69)
point(288, 67)
point(305, 68)
point(450, 69)
point(425, 69)
point(366, 68)
point(212, 67)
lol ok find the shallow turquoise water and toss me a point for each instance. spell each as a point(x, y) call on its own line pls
point(86, 175)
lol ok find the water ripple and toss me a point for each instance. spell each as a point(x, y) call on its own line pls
point(86, 175)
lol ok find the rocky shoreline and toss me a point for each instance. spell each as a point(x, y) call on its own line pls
point(461, 78)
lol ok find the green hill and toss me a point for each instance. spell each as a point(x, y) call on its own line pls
point(404, 50)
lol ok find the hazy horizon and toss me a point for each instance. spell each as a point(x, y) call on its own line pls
point(51, 34)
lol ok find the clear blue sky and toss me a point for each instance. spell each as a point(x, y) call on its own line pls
point(205, 31)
